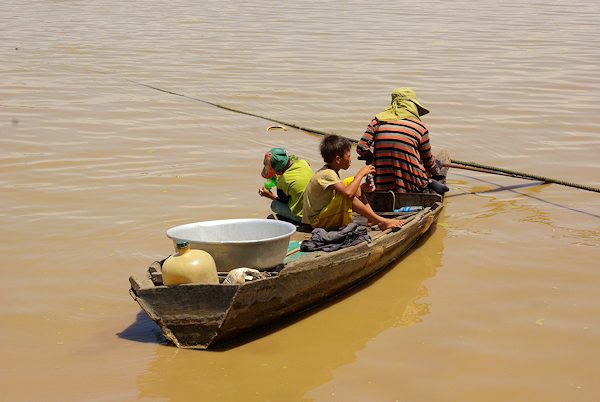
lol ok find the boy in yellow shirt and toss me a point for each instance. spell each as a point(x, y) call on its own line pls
point(329, 200)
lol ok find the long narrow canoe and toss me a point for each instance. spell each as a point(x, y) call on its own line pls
point(200, 316)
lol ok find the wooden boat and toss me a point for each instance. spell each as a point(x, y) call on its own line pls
point(200, 316)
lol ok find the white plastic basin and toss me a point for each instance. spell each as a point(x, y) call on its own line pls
point(235, 243)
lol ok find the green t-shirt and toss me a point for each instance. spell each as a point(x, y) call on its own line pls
point(293, 182)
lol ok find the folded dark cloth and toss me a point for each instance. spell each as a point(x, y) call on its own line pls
point(323, 240)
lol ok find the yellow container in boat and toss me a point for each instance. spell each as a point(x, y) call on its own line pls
point(189, 266)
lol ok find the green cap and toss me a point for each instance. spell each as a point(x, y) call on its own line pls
point(275, 161)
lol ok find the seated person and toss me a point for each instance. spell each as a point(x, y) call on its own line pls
point(292, 176)
point(329, 200)
point(397, 143)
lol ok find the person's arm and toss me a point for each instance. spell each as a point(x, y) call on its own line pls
point(427, 156)
point(352, 188)
point(366, 142)
point(282, 197)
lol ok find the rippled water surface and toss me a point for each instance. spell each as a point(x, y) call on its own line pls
point(498, 303)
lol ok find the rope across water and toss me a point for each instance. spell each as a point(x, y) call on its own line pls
point(319, 132)
point(527, 175)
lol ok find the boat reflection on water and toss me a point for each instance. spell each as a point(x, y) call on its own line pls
point(286, 360)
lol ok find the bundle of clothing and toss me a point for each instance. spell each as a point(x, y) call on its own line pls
point(323, 240)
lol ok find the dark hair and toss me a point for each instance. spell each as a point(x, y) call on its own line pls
point(334, 145)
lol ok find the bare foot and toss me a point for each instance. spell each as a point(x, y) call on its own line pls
point(389, 224)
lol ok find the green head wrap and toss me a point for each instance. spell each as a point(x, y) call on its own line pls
point(404, 105)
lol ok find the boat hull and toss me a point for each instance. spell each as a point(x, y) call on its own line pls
point(200, 316)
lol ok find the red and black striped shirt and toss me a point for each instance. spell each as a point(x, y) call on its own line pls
point(401, 154)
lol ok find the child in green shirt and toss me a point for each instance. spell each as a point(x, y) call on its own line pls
point(292, 175)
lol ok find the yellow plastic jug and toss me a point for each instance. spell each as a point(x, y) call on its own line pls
point(189, 266)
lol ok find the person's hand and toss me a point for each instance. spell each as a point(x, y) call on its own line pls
point(365, 170)
point(263, 192)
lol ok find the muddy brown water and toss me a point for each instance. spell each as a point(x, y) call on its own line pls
point(498, 303)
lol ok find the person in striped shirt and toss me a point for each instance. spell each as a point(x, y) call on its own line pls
point(396, 142)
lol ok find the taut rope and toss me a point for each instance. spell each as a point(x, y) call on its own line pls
point(490, 169)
